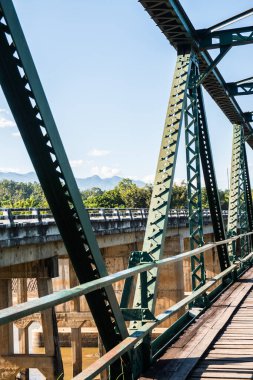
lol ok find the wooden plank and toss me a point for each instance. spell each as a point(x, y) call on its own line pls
point(187, 365)
point(231, 356)
point(181, 357)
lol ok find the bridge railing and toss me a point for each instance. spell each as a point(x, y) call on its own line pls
point(227, 276)
point(25, 215)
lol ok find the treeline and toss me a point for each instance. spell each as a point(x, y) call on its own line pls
point(21, 195)
point(125, 195)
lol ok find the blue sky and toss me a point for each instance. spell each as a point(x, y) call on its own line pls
point(107, 70)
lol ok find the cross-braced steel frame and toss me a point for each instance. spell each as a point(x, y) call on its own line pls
point(129, 350)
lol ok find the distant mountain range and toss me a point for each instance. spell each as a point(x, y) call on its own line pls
point(83, 183)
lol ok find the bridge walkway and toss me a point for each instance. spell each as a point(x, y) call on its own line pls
point(219, 345)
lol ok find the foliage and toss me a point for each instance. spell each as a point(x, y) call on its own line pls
point(179, 196)
point(19, 194)
point(125, 195)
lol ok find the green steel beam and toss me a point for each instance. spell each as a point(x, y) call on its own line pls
point(24, 93)
point(231, 20)
point(230, 37)
point(236, 89)
point(234, 189)
point(211, 183)
point(212, 66)
point(162, 190)
point(191, 118)
point(248, 116)
point(145, 292)
point(174, 23)
point(248, 193)
point(242, 205)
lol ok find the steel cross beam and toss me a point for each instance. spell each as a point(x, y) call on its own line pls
point(244, 88)
point(171, 18)
point(24, 93)
point(248, 116)
point(211, 183)
point(231, 20)
point(230, 37)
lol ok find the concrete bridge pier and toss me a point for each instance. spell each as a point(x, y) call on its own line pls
point(76, 337)
point(23, 332)
point(12, 363)
point(6, 332)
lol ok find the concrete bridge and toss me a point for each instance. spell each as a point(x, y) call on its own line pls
point(32, 248)
point(35, 231)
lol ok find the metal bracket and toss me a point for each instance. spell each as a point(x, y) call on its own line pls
point(248, 116)
point(243, 87)
point(229, 37)
point(143, 315)
point(203, 76)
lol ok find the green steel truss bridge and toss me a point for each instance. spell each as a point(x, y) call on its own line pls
point(125, 329)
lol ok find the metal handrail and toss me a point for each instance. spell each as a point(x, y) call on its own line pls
point(16, 215)
point(12, 313)
point(22, 310)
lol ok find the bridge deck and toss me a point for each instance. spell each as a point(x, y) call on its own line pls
point(219, 345)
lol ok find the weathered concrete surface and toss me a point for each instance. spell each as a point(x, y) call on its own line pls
point(34, 251)
point(30, 242)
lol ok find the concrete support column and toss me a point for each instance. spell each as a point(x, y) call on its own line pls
point(6, 331)
point(170, 280)
point(101, 350)
point(76, 338)
point(23, 332)
point(50, 332)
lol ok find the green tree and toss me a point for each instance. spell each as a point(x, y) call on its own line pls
point(94, 191)
point(179, 196)
point(109, 199)
point(132, 195)
point(19, 194)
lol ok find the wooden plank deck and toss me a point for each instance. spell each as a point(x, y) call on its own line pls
point(231, 355)
point(219, 345)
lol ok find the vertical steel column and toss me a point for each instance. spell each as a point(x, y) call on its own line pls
point(24, 93)
point(242, 203)
point(211, 184)
point(191, 118)
point(234, 189)
point(161, 196)
point(248, 193)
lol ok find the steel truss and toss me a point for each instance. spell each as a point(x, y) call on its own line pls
point(248, 194)
point(230, 37)
point(162, 190)
point(240, 199)
point(241, 88)
point(242, 203)
point(194, 66)
point(211, 183)
point(191, 116)
point(186, 101)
